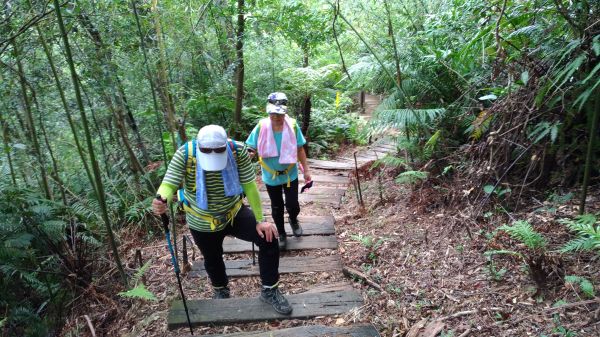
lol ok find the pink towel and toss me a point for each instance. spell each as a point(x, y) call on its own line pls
point(267, 148)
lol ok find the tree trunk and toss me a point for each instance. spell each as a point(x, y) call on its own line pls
point(151, 83)
point(7, 149)
point(393, 38)
point(239, 70)
point(589, 158)
point(163, 79)
point(222, 38)
point(31, 125)
point(96, 170)
point(114, 100)
point(64, 103)
point(132, 123)
point(98, 129)
point(306, 108)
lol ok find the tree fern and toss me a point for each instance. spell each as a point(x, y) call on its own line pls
point(403, 118)
point(587, 233)
point(524, 232)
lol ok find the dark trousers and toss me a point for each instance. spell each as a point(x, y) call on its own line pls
point(244, 227)
point(277, 204)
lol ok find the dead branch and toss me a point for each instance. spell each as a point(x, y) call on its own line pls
point(351, 272)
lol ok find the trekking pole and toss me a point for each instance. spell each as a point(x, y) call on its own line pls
point(253, 260)
point(165, 221)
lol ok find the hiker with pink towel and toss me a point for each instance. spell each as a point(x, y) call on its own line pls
point(278, 141)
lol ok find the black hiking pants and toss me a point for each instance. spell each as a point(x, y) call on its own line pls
point(244, 228)
point(277, 205)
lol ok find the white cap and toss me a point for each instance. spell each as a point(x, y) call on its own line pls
point(276, 109)
point(211, 137)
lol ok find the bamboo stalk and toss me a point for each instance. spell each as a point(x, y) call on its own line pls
point(96, 170)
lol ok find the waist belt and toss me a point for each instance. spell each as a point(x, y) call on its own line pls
point(214, 221)
point(276, 174)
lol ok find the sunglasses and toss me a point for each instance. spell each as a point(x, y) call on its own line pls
point(215, 150)
point(278, 101)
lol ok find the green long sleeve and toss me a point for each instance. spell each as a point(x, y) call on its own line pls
point(166, 191)
point(251, 190)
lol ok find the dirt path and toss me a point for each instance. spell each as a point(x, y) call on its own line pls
point(371, 103)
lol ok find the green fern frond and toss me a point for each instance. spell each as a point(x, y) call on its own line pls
point(390, 161)
point(139, 292)
point(586, 231)
point(138, 274)
point(431, 143)
point(402, 118)
point(584, 284)
point(411, 177)
point(55, 229)
point(524, 232)
point(20, 241)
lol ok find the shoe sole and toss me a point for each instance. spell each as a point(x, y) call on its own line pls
point(277, 311)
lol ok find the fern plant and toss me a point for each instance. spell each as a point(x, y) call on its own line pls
point(587, 232)
point(411, 177)
point(524, 232)
point(140, 291)
point(585, 285)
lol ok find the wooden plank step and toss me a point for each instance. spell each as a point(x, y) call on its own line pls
point(243, 310)
point(233, 245)
point(359, 330)
point(330, 165)
point(287, 265)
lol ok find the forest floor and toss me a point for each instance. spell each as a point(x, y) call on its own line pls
point(423, 269)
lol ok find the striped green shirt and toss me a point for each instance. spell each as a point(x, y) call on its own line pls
point(218, 203)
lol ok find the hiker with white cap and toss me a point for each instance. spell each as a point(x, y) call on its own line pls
point(279, 143)
point(216, 171)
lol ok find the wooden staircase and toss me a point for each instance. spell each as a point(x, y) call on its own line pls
point(319, 234)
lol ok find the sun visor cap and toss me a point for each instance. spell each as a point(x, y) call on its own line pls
point(276, 109)
point(277, 98)
point(212, 137)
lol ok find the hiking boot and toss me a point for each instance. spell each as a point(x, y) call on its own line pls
point(282, 241)
point(220, 293)
point(274, 297)
point(296, 228)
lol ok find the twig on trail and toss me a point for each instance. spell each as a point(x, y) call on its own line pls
point(571, 305)
point(351, 272)
point(466, 333)
point(467, 312)
point(89, 323)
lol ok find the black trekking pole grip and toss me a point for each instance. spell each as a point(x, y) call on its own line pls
point(164, 217)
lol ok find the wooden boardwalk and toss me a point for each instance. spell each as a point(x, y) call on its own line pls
point(331, 180)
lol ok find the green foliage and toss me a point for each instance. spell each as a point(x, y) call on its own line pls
point(524, 232)
point(587, 232)
point(390, 161)
point(411, 177)
point(495, 273)
point(584, 284)
point(500, 192)
point(139, 291)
